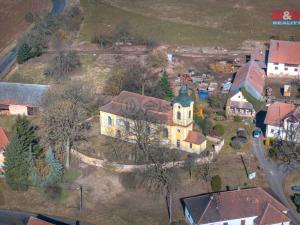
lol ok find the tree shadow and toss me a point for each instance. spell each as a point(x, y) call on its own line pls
point(260, 118)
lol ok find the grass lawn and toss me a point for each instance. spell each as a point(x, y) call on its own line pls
point(190, 22)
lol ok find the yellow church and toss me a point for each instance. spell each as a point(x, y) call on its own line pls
point(171, 123)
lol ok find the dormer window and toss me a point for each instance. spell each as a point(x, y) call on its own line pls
point(178, 116)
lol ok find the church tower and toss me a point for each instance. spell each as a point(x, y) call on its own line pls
point(183, 106)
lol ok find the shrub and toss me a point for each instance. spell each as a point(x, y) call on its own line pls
point(216, 183)
point(296, 200)
point(237, 119)
point(235, 145)
point(204, 124)
point(218, 130)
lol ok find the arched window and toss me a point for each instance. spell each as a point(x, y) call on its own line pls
point(178, 115)
point(109, 121)
point(118, 134)
point(165, 133)
point(127, 126)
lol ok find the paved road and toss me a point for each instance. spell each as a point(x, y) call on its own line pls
point(275, 176)
point(9, 217)
point(10, 58)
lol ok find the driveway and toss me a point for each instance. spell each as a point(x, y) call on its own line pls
point(275, 175)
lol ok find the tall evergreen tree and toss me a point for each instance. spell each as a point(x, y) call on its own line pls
point(165, 86)
point(18, 152)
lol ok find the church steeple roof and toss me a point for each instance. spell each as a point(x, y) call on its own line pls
point(183, 97)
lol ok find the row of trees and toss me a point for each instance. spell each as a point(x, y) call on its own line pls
point(33, 42)
point(123, 33)
point(139, 79)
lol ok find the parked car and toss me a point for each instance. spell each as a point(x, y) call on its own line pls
point(239, 138)
point(296, 188)
point(256, 133)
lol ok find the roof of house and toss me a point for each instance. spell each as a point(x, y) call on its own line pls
point(195, 138)
point(228, 205)
point(3, 138)
point(284, 52)
point(133, 105)
point(271, 215)
point(35, 221)
point(251, 77)
point(277, 112)
point(22, 94)
point(183, 97)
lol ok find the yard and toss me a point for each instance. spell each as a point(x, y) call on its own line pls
point(194, 23)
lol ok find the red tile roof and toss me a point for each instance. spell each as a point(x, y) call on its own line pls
point(284, 52)
point(250, 76)
point(271, 215)
point(132, 105)
point(195, 138)
point(3, 138)
point(229, 205)
point(35, 221)
point(277, 112)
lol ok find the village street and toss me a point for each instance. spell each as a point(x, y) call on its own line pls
point(275, 177)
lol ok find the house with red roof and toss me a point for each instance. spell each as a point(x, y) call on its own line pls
point(130, 115)
point(282, 119)
point(3, 143)
point(253, 206)
point(246, 92)
point(283, 59)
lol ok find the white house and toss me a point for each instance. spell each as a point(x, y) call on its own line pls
point(283, 59)
point(246, 91)
point(281, 119)
point(253, 206)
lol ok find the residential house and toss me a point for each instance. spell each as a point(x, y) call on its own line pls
point(21, 99)
point(246, 92)
point(282, 119)
point(253, 206)
point(3, 143)
point(283, 59)
point(170, 123)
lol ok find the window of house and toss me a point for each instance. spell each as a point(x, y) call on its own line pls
point(165, 133)
point(276, 67)
point(285, 68)
point(109, 121)
point(178, 115)
point(179, 107)
point(127, 126)
point(191, 145)
point(178, 130)
point(148, 130)
point(190, 114)
point(272, 131)
point(225, 223)
point(243, 222)
point(296, 69)
point(118, 134)
point(178, 143)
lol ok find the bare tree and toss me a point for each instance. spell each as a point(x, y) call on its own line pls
point(204, 171)
point(190, 164)
point(63, 116)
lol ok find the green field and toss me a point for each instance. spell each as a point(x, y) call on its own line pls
point(190, 22)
